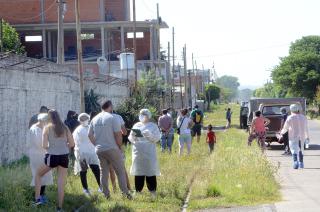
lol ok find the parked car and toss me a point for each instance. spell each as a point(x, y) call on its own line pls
point(271, 109)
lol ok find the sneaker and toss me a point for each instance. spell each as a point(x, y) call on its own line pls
point(99, 190)
point(86, 192)
point(128, 196)
point(44, 199)
point(38, 202)
point(301, 165)
point(153, 195)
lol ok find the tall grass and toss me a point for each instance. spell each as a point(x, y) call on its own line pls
point(234, 174)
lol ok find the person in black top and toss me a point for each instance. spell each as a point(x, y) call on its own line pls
point(285, 137)
point(72, 120)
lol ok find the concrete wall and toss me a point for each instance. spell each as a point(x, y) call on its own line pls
point(24, 90)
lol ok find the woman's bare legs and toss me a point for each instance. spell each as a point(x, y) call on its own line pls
point(41, 171)
point(62, 174)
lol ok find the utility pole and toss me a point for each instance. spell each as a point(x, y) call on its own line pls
point(79, 51)
point(194, 78)
point(197, 81)
point(203, 78)
point(168, 76)
point(158, 33)
point(1, 36)
point(60, 43)
point(185, 73)
point(181, 97)
point(135, 43)
point(173, 69)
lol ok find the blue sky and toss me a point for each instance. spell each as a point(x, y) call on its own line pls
point(243, 38)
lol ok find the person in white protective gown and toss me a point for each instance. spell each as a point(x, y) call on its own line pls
point(85, 153)
point(36, 153)
point(145, 166)
point(297, 126)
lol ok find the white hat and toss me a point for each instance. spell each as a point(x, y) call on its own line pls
point(42, 117)
point(83, 115)
point(146, 112)
point(294, 108)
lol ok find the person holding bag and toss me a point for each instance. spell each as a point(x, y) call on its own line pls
point(184, 124)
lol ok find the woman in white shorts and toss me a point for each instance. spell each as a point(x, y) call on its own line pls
point(85, 153)
point(184, 124)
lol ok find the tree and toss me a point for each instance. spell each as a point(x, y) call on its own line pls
point(230, 84)
point(298, 74)
point(11, 40)
point(245, 94)
point(212, 93)
point(91, 100)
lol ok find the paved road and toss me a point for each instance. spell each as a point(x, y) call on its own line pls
point(300, 188)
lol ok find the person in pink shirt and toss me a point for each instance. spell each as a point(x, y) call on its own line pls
point(258, 130)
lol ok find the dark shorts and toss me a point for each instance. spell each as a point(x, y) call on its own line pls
point(54, 161)
point(196, 130)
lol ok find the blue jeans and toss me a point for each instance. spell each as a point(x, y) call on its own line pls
point(166, 141)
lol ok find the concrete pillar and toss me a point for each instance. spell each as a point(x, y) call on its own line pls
point(123, 46)
point(44, 44)
point(103, 49)
point(102, 10)
point(151, 44)
point(49, 45)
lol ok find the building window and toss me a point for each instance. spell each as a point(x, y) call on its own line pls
point(33, 38)
point(138, 35)
point(87, 36)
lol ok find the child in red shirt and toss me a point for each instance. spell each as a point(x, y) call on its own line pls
point(211, 138)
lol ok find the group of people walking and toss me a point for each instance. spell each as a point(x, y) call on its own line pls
point(294, 133)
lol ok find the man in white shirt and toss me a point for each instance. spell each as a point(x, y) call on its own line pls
point(297, 126)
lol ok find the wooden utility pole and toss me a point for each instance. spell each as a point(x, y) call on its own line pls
point(79, 51)
point(185, 73)
point(194, 78)
point(135, 43)
point(1, 36)
point(173, 69)
point(60, 43)
point(158, 33)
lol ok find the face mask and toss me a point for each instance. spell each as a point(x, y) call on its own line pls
point(142, 118)
point(85, 123)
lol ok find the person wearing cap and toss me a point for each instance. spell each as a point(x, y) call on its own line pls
point(145, 166)
point(85, 153)
point(34, 118)
point(167, 132)
point(36, 153)
point(297, 127)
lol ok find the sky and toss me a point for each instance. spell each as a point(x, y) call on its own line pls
point(242, 38)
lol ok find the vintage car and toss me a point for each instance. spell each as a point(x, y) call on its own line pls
point(271, 109)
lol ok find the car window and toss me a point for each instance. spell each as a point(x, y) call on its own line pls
point(275, 109)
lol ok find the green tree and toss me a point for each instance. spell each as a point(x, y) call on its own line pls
point(298, 74)
point(11, 40)
point(245, 94)
point(230, 85)
point(91, 100)
point(212, 93)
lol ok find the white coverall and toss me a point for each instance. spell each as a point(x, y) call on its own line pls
point(144, 151)
point(84, 149)
point(36, 155)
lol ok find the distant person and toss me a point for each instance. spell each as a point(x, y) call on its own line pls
point(145, 167)
point(211, 138)
point(167, 132)
point(197, 117)
point(184, 124)
point(258, 130)
point(85, 153)
point(105, 134)
point(297, 127)
point(72, 120)
point(37, 153)
point(57, 140)
point(34, 118)
point(285, 137)
point(228, 117)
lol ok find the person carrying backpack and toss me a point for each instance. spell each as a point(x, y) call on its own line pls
point(197, 117)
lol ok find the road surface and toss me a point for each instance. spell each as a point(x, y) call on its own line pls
point(300, 188)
